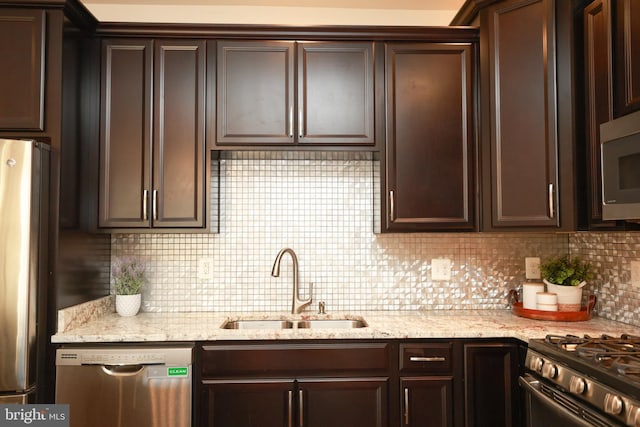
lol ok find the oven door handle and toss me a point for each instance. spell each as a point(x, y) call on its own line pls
point(530, 384)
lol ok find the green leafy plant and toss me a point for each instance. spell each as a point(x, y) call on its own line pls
point(129, 275)
point(566, 271)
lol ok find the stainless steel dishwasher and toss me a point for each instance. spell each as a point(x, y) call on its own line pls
point(125, 386)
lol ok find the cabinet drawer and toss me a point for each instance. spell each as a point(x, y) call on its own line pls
point(272, 360)
point(431, 358)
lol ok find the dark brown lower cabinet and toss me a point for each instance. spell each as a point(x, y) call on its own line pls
point(427, 401)
point(336, 402)
point(342, 402)
point(306, 384)
point(249, 403)
point(406, 383)
point(491, 384)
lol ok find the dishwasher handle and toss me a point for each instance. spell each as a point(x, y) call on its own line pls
point(122, 370)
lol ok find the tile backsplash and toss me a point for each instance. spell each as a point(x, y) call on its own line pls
point(610, 255)
point(325, 206)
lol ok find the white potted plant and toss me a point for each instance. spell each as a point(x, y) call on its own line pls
point(129, 276)
point(565, 277)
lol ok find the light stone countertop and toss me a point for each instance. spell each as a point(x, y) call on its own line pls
point(205, 326)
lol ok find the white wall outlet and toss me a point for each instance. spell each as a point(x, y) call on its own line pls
point(532, 268)
point(441, 269)
point(205, 269)
point(635, 273)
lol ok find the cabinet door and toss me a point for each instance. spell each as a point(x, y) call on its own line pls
point(240, 403)
point(178, 134)
point(429, 171)
point(598, 98)
point(519, 115)
point(427, 401)
point(627, 56)
point(255, 93)
point(22, 72)
point(125, 133)
point(491, 385)
point(335, 93)
point(342, 402)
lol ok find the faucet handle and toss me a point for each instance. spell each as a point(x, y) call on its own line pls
point(321, 307)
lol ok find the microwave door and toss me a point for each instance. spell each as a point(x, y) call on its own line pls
point(621, 178)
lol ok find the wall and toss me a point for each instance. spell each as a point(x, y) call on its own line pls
point(610, 254)
point(325, 206)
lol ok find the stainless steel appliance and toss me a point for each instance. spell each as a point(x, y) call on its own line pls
point(582, 381)
point(620, 157)
point(126, 386)
point(24, 201)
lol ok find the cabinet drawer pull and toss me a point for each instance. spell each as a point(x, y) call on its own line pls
point(406, 406)
point(145, 196)
point(428, 359)
point(290, 409)
point(301, 408)
point(551, 202)
point(155, 204)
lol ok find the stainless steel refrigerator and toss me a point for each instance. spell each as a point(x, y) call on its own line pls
point(24, 202)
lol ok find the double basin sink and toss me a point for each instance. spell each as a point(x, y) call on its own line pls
point(315, 323)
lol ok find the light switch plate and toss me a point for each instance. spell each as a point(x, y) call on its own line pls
point(532, 268)
point(441, 269)
point(205, 269)
point(635, 273)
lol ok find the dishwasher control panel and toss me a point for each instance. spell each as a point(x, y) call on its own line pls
point(124, 356)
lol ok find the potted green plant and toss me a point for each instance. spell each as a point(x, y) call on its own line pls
point(129, 276)
point(565, 276)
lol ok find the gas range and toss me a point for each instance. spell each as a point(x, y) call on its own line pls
point(602, 371)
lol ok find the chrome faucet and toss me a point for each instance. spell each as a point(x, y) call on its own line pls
point(297, 304)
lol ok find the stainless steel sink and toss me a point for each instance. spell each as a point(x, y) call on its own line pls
point(353, 323)
point(331, 324)
point(257, 324)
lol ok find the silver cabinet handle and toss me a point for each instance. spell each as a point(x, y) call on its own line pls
point(301, 408)
point(427, 359)
point(406, 406)
point(291, 121)
point(290, 410)
point(155, 204)
point(300, 122)
point(392, 207)
point(551, 203)
point(145, 197)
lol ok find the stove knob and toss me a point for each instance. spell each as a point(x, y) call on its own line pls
point(577, 385)
point(536, 364)
point(613, 404)
point(550, 371)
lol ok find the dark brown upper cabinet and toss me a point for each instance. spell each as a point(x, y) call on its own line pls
point(22, 47)
point(283, 93)
point(627, 56)
point(526, 63)
point(152, 175)
point(598, 100)
point(429, 173)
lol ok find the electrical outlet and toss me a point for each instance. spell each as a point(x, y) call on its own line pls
point(635, 273)
point(532, 268)
point(205, 269)
point(441, 269)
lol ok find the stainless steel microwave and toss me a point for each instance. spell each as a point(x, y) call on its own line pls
point(620, 156)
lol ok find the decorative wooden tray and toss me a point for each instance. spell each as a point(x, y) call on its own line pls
point(558, 316)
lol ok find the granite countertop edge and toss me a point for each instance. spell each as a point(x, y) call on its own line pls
point(109, 327)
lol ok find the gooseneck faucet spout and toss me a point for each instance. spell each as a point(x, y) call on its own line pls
point(297, 304)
